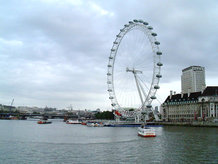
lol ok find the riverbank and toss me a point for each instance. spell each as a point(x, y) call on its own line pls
point(134, 124)
point(193, 124)
point(113, 123)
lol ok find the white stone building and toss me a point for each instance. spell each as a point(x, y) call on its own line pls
point(192, 106)
point(193, 79)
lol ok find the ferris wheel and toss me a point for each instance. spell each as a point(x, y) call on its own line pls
point(134, 70)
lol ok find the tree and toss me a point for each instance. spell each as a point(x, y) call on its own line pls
point(105, 115)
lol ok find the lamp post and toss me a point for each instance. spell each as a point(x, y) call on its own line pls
point(202, 109)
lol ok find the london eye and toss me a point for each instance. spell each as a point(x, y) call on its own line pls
point(134, 70)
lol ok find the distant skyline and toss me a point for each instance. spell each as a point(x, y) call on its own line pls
point(54, 52)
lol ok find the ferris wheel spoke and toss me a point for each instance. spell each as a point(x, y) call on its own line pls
point(144, 87)
point(145, 79)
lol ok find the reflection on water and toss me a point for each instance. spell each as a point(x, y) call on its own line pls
point(28, 142)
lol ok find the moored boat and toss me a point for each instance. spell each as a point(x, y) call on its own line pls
point(122, 124)
point(83, 123)
point(73, 122)
point(95, 124)
point(146, 132)
point(44, 122)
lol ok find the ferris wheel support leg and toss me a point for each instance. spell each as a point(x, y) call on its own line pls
point(137, 118)
point(117, 119)
point(146, 117)
point(155, 116)
point(137, 85)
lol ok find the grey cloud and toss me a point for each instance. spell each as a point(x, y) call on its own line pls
point(59, 51)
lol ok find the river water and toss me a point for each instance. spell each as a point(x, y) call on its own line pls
point(24, 141)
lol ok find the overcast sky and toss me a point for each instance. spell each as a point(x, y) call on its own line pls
point(55, 52)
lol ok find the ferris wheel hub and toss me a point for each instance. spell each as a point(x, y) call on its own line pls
point(134, 71)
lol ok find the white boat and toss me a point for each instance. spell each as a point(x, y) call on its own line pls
point(73, 122)
point(146, 132)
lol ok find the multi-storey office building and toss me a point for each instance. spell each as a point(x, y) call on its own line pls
point(193, 79)
point(192, 106)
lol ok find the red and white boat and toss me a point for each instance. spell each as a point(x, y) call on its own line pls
point(146, 132)
point(44, 122)
point(83, 123)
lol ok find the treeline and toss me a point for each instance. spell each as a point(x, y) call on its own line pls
point(107, 115)
point(7, 111)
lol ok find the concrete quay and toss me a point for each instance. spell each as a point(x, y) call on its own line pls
point(188, 124)
point(193, 124)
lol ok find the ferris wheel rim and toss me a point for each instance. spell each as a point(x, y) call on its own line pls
point(156, 65)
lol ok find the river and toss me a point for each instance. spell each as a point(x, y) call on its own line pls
point(25, 141)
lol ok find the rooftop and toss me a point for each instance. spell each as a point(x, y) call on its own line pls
point(188, 68)
point(208, 91)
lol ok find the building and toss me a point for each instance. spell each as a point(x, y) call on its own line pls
point(26, 109)
point(201, 105)
point(8, 108)
point(193, 79)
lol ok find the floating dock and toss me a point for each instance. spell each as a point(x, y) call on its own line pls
point(131, 124)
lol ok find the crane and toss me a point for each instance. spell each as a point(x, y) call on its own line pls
point(11, 105)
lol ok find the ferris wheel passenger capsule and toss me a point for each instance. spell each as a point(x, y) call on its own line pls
point(109, 65)
point(145, 23)
point(153, 34)
point(143, 112)
point(159, 53)
point(156, 42)
point(130, 22)
point(118, 36)
point(111, 97)
point(109, 90)
point(159, 64)
point(156, 87)
point(140, 21)
point(112, 50)
point(135, 20)
point(109, 82)
point(109, 74)
point(113, 104)
point(150, 28)
point(122, 30)
point(111, 57)
point(153, 97)
point(115, 42)
point(126, 25)
point(158, 76)
point(148, 106)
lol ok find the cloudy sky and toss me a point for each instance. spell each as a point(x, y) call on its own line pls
point(55, 52)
